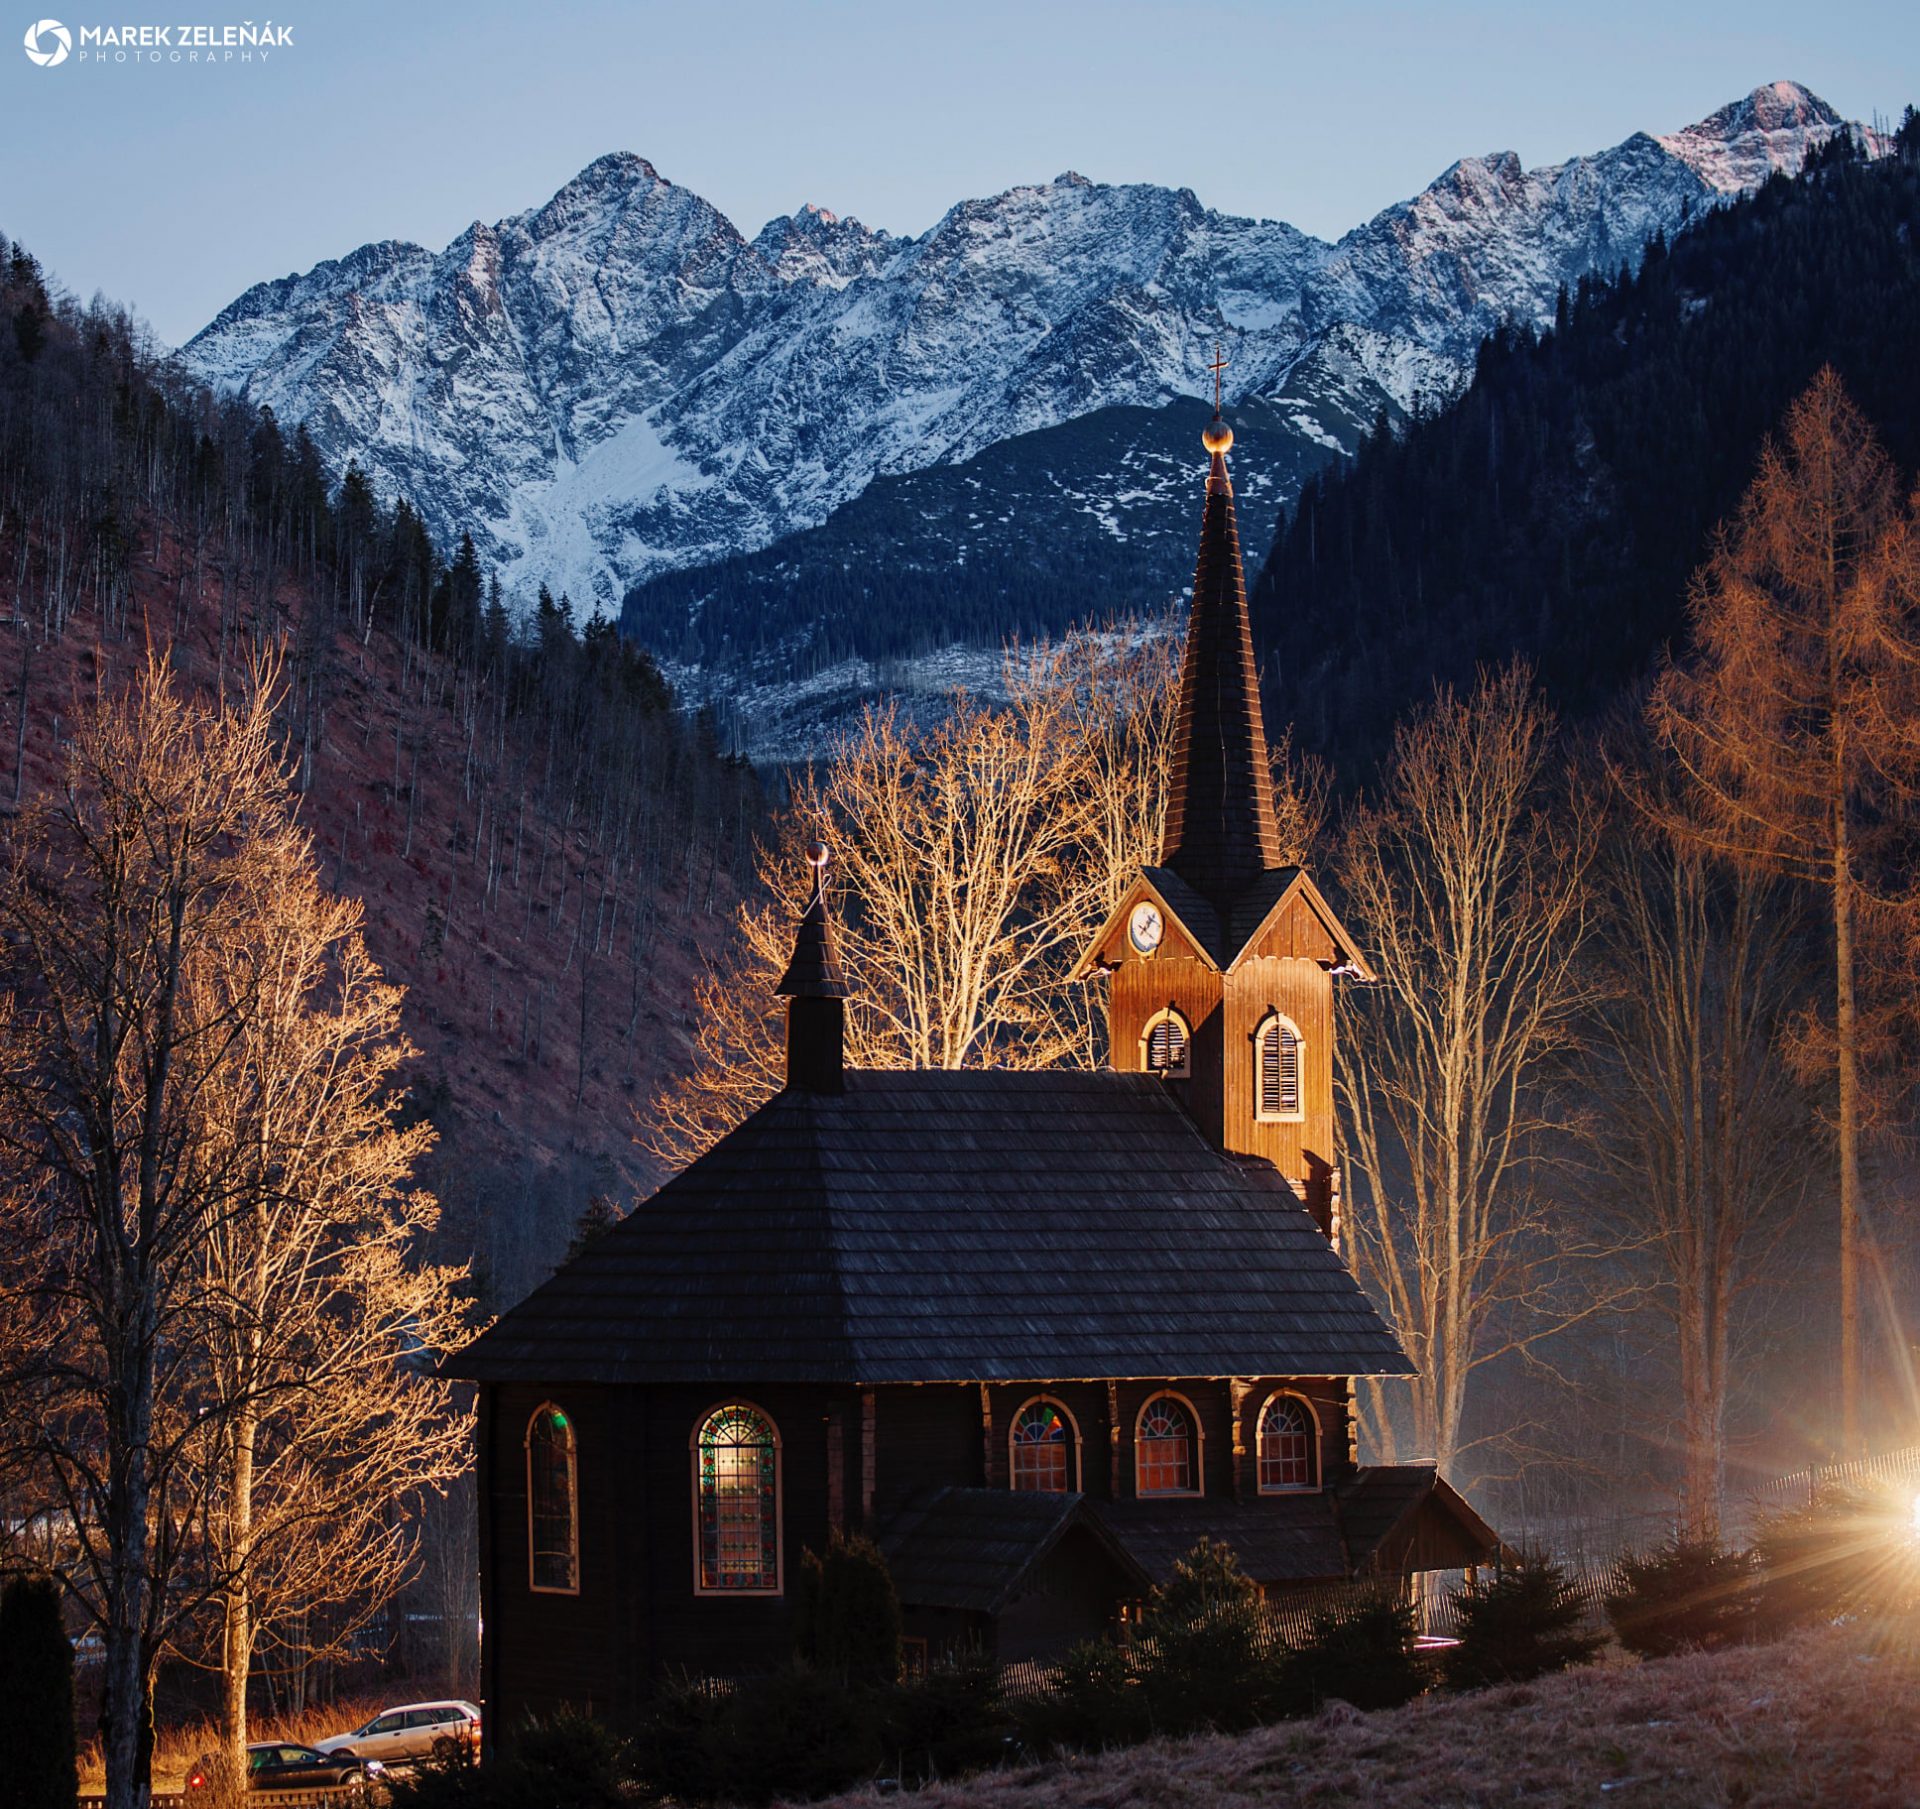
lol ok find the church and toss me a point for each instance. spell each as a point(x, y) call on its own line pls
point(1035, 1333)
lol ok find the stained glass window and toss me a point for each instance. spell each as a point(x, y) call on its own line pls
point(1165, 1043)
point(553, 1527)
point(737, 1471)
point(1286, 1445)
point(1279, 1054)
point(1042, 1449)
point(1163, 1449)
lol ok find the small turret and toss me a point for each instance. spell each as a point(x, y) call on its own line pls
point(816, 991)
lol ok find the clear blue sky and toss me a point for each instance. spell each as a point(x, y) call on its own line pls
point(174, 187)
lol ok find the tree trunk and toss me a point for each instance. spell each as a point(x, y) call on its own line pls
point(20, 728)
point(125, 1735)
point(236, 1658)
point(1847, 1060)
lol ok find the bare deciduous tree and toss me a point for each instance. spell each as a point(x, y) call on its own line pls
point(117, 895)
point(972, 858)
point(1698, 1132)
point(318, 1316)
point(1468, 885)
point(1795, 727)
point(202, 1192)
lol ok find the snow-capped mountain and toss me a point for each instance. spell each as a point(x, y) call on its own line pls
point(618, 384)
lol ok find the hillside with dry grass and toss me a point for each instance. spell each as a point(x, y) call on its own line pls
point(545, 846)
point(546, 973)
point(1823, 1718)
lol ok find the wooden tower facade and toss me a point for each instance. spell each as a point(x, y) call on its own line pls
point(1221, 960)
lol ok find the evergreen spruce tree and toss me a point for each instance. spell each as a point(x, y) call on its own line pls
point(37, 1759)
point(846, 1614)
point(598, 1217)
point(1523, 1622)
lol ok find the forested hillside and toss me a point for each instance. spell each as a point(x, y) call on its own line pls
point(1558, 507)
point(543, 843)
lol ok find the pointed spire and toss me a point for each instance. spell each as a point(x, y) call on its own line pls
point(1221, 829)
point(815, 990)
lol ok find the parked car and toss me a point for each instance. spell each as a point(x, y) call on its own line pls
point(287, 1765)
point(414, 1730)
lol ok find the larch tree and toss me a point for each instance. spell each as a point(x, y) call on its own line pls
point(1697, 1131)
point(1467, 883)
point(1794, 725)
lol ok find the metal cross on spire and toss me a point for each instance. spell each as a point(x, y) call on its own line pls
point(1218, 365)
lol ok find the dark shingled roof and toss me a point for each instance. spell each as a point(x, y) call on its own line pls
point(928, 1227)
point(973, 1548)
point(1222, 940)
point(1378, 1501)
point(1292, 1536)
point(1221, 831)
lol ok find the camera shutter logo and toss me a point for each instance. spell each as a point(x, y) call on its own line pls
point(48, 42)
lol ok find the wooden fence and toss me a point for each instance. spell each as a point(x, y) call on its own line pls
point(349, 1796)
point(1803, 1487)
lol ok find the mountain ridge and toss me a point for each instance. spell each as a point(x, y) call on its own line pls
point(619, 384)
point(1554, 511)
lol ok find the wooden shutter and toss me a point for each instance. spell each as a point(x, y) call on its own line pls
point(1167, 1046)
point(1279, 1070)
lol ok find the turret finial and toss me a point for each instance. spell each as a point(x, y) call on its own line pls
point(1217, 436)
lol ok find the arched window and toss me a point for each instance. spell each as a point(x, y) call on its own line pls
point(736, 1481)
point(1163, 1044)
point(553, 1514)
point(1276, 1047)
point(1289, 1446)
point(1166, 1456)
point(1043, 1448)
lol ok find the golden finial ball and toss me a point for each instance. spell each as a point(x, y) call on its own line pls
point(1218, 436)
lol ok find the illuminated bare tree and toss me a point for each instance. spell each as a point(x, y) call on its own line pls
point(202, 1195)
point(1467, 883)
point(971, 860)
point(319, 1317)
point(117, 897)
point(1795, 726)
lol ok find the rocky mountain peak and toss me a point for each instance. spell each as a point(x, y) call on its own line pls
point(1738, 146)
point(617, 384)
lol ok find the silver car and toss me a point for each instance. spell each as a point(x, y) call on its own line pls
point(414, 1730)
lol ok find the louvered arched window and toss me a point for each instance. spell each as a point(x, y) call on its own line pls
point(1043, 1448)
point(1276, 1054)
point(1166, 1448)
point(553, 1518)
point(1163, 1044)
point(1289, 1446)
point(736, 1481)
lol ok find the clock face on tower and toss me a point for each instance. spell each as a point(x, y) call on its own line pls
point(1144, 927)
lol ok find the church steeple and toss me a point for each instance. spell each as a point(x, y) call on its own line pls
point(815, 990)
point(1221, 831)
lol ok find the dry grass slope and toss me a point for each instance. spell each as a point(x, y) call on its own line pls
point(1823, 1718)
